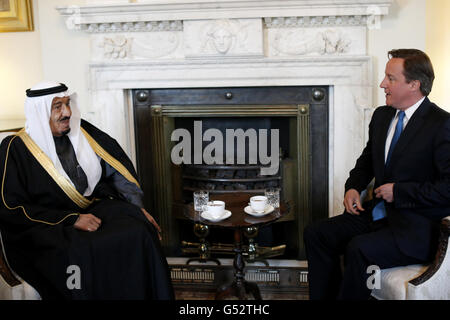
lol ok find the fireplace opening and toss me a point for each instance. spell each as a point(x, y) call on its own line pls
point(246, 169)
point(226, 128)
point(227, 179)
point(232, 176)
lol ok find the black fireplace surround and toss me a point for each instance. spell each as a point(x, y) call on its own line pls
point(300, 113)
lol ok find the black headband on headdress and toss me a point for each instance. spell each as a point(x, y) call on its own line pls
point(43, 92)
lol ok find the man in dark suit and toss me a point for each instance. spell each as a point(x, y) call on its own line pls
point(408, 154)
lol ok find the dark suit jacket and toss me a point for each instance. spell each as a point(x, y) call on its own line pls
point(420, 169)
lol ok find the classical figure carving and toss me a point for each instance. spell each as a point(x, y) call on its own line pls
point(221, 36)
point(117, 47)
point(334, 42)
point(302, 42)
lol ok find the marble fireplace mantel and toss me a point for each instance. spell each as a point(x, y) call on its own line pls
point(124, 12)
point(231, 43)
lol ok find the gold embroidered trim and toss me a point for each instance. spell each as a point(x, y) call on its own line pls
point(113, 162)
point(21, 207)
point(48, 165)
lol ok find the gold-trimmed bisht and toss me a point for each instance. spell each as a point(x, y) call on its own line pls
point(62, 182)
point(42, 158)
point(113, 162)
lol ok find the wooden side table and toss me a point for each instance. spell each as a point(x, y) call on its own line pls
point(238, 221)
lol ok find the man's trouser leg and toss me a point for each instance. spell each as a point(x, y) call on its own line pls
point(376, 248)
point(325, 241)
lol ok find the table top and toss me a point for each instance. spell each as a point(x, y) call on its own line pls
point(239, 218)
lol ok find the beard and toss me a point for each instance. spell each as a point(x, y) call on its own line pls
point(65, 132)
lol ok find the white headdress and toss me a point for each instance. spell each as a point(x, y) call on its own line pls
point(38, 106)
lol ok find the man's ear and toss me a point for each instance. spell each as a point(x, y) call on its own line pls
point(415, 85)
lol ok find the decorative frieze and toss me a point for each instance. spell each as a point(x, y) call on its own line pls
point(119, 16)
point(136, 26)
point(320, 21)
point(269, 22)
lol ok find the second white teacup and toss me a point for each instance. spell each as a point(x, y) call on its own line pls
point(215, 208)
point(258, 203)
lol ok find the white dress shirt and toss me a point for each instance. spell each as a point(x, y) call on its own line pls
point(408, 114)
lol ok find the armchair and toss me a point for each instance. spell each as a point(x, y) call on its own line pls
point(12, 287)
point(420, 282)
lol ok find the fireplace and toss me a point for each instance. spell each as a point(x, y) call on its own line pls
point(143, 53)
point(300, 116)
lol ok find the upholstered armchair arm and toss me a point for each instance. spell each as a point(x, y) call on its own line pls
point(5, 270)
point(442, 252)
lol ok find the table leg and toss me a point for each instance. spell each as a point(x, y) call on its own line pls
point(253, 256)
point(239, 287)
point(202, 231)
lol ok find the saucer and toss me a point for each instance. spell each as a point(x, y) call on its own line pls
point(206, 215)
point(250, 211)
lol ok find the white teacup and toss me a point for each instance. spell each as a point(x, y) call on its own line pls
point(215, 208)
point(258, 203)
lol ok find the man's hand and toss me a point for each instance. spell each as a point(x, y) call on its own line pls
point(352, 202)
point(386, 191)
point(153, 222)
point(87, 222)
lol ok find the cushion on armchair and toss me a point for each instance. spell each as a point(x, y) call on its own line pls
point(394, 282)
point(22, 291)
point(420, 282)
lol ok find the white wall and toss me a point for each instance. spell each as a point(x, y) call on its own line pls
point(438, 48)
point(404, 27)
point(65, 53)
point(50, 52)
point(20, 67)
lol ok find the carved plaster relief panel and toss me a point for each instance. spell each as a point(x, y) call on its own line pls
point(155, 45)
point(111, 47)
point(142, 45)
point(223, 38)
point(315, 41)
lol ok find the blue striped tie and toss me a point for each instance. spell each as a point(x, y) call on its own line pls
point(379, 211)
